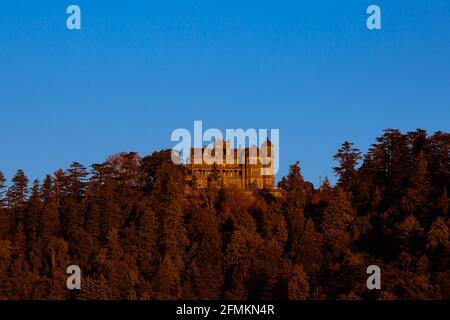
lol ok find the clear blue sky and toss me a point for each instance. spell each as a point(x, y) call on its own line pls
point(139, 69)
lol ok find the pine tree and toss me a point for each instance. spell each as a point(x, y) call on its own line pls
point(4, 217)
point(47, 188)
point(166, 200)
point(112, 216)
point(102, 201)
point(32, 223)
point(150, 166)
point(49, 231)
point(2, 190)
point(6, 253)
point(147, 233)
point(418, 189)
point(339, 214)
point(128, 174)
point(387, 164)
point(294, 207)
point(438, 234)
point(74, 185)
point(17, 196)
point(439, 160)
point(348, 158)
point(266, 271)
point(270, 220)
point(168, 284)
point(310, 255)
point(325, 191)
point(338, 219)
point(240, 250)
point(51, 225)
point(204, 277)
point(18, 193)
point(410, 234)
point(298, 284)
point(444, 203)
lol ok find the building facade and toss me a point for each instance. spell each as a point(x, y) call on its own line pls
point(245, 168)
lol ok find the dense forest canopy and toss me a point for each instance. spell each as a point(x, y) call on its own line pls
point(137, 233)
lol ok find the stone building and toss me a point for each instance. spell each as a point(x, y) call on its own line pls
point(245, 168)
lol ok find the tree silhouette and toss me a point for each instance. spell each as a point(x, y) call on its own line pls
point(348, 158)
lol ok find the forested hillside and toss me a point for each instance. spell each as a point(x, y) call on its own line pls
point(137, 233)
